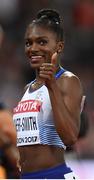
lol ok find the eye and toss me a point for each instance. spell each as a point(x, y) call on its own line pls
point(42, 42)
point(28, 43)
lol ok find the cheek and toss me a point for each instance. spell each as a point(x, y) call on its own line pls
point(48, 53)
point(26, 51)
point(49, 57)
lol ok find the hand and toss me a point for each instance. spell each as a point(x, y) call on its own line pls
point(54, 59)
point(47, 70)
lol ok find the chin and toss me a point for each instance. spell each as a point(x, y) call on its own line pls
point(35, 66)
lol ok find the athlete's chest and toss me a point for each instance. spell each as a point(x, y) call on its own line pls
point(32, 112)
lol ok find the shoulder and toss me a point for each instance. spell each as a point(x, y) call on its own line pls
point(27, 86)
point(69, 77)
point(70, 82)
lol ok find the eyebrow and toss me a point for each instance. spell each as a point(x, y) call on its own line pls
point(40, 37)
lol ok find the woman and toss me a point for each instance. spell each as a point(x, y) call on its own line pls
point(47, 118)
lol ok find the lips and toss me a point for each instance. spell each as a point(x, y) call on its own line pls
point(36, 59)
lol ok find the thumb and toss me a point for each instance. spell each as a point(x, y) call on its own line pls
point(54, 58)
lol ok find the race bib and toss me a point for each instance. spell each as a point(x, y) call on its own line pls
point(26, 122)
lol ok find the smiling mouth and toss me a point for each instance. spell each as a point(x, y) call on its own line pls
point(36, 59)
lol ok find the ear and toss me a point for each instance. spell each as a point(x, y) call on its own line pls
point(60, 46)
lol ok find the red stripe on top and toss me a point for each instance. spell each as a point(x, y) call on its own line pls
point(28, 106)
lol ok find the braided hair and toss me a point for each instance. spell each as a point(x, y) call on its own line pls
point(50, 19)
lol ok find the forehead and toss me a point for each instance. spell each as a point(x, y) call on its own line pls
point(39, 31)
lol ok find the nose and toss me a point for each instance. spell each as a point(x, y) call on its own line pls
point(34, 47)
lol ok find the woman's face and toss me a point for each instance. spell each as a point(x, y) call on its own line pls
point(40, 44)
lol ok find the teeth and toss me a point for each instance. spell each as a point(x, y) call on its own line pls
point(33, 57)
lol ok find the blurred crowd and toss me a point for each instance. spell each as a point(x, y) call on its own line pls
point(78, 17)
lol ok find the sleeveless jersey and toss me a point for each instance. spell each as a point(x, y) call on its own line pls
point(33, 119)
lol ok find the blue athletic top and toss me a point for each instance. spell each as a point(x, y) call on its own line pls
point(33, 118)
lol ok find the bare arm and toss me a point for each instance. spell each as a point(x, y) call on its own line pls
point(7, 125)
point(65, 95)
point(8, 144)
